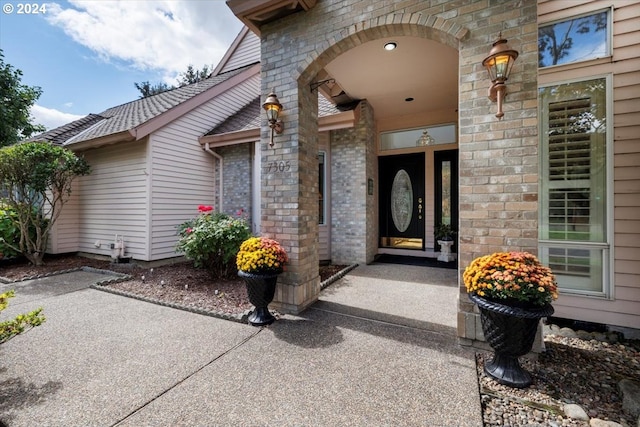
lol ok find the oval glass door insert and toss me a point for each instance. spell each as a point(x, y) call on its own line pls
point(402, 200)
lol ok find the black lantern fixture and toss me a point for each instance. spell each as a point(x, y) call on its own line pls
point(498, 64)
point(273, 107)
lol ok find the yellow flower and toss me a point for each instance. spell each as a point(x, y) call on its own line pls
point(261, 255)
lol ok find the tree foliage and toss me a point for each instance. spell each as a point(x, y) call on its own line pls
point(147, 89)
point(21, 323)
point(190, 76)
point(35, 180)
point(556, 40)
point(17, 99)
point(193, 76)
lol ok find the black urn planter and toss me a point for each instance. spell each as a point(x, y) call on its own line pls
point(261, 288)
point(510, 331)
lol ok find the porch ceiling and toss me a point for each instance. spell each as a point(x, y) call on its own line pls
point(424, 70)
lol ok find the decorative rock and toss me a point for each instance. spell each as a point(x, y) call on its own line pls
point(596, 422)
point(567, 332)
point(630, 390)
point(583, 335)
point(576, 412)
point(599, 336)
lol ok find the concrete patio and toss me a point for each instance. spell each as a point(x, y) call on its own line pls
point(378, 348)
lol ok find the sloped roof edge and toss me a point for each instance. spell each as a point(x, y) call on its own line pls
point(113, 138)
point(61, 134)
point(234, 45)
point(172, 114)
point(343, 120)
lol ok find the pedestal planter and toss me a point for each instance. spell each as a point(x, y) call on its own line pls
point(261, 288)
point(445, 251)
point(510, 331)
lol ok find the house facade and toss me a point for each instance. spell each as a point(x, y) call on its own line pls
point(556, 175)
point(388, 132)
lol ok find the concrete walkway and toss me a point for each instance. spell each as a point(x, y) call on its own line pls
point(378, 349)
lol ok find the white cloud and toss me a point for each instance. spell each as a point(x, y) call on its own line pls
point(152, 34)
point(50, 118)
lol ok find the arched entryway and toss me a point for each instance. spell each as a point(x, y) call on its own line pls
point(408, 76)
point(411, 88)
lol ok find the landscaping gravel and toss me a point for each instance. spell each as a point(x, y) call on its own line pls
point(573, 376)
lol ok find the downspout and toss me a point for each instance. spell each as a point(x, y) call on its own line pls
point(220, 159)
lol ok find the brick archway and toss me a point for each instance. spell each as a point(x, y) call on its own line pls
point(429, 27)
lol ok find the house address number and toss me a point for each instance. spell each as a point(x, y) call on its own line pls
point(281, 166)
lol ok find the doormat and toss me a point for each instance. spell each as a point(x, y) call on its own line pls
point(413, 260)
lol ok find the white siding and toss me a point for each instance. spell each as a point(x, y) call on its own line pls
point(624, 308)
point(247, 53)
point(65, 232)
point(182, 173)
point(113, 199)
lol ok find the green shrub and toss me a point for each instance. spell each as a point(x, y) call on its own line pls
point(21, 323)
point(212, 241)
point(9, 232)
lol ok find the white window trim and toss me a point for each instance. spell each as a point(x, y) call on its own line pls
point(608, 287)
point(324, 196)
point(584, 62)
point(256, 194)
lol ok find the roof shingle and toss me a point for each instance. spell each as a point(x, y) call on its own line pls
point(130, 115)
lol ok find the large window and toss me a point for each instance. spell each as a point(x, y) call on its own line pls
point(578, 39)
point(573, 193)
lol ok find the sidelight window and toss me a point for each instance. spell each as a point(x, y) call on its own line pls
point(574, 238)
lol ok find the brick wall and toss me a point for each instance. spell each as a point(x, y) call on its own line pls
point(498, 159)
point(237, 179)
point(353, 227)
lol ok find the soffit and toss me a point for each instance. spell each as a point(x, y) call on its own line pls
point(422, 69)
point(255, 13)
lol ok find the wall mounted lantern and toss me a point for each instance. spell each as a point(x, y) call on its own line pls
point(498, 64)
point(273, 107)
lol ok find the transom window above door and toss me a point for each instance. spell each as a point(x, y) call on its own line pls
point(419, 137)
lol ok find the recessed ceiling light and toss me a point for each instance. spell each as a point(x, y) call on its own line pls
point(408, 99)
point(390, 45)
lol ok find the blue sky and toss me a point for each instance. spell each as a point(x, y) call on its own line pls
point(87, 55)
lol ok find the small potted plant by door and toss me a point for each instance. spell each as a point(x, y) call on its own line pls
point(444, 236)
point(260, 261)
point(513, 291)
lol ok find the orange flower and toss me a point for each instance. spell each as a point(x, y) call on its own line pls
point(511, 276)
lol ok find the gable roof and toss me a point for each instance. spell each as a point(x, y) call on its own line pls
point(137, 119)
point(244, 50)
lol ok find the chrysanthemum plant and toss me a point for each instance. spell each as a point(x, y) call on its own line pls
point(511, 278)
point(261, 255)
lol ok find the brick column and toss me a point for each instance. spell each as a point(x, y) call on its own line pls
point(290, 192)
point(354, 228)
point(498, 158)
